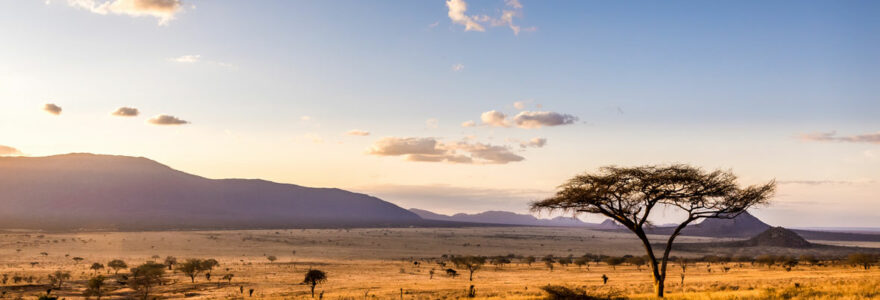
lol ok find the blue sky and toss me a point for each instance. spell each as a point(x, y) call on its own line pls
point(270, 90)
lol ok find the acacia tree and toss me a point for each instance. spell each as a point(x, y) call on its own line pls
point(313, 278)
point(629, 195)
point(116, 265)
point(145, 276)
point(471, 263)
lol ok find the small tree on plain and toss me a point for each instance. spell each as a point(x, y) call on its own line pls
point(471, 263)
point(170, 261)
point(95, 267)
point(116, 265)
point(57, 279)
point(629, 195)
point(95, 287)
point(191, 268)
point(145, 276)
point(861, 259)
point(271, 258)
point(313, 278)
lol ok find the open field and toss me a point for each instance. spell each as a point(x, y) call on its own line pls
point(378, 264)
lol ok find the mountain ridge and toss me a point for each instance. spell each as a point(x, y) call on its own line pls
point(82, 190)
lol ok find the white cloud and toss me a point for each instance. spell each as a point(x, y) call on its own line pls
point(126, 112)
point(393, 146)
point(314, 138)
point(305, 118)
point(457, 67)
point(431, 150)
point(494, 118)
point(358, 132)
point(166, 120)
point(458, 15)
point(432, 123)
point(538, 119)
point(457, 9)
point(52, 108)
point(187, 59)
point(468, 124)
point(520, 105)
point(872, 138)
point(164, 10)
point(535, 142)
point(526, 119)
point(9, 151)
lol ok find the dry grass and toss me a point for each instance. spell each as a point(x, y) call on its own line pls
point(377, 264)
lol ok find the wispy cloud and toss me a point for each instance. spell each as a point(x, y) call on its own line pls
point(187, 59)
point(432, 123)
point(357, 132)
point(457, 67)
point(126, 112)
point(535, 142)
point(164, 10)
point(512, 9)
point(432, 150)
point(166, 120)
point(457, 10)
point(470, 123)
point(826, 182)
point(527, 119)
point(494, 118)
point(9, 151)
point(52, 108)
point(538, 119)
point(872, 138)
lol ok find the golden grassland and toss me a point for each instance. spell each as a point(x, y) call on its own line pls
point(378, 264)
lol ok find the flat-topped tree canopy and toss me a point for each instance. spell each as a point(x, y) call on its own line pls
point(629, 194)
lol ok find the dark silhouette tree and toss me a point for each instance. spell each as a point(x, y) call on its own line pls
point(170, 261)
point(145, 277)
point(77, 259)
point(629, 195)
point(57, 279)
point(529, 260)
point(471, 263)
point(191, 267)
point(614, 261)
point(95, 287)
point(116, 265)
point(861, 259)
point(271, 258)
point(637, 261)
point(313, 278)
point(95, 267)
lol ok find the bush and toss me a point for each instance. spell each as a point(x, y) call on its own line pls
point(558, 292)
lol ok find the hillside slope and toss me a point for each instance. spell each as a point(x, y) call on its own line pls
point(118, 192)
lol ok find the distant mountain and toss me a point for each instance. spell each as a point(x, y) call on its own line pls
point(777, 237)
point(504, 217)
point(120, 192)
point(744, 225)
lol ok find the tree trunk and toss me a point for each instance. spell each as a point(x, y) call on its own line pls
point(471, 276)
point(658, 286)
point(313, 291)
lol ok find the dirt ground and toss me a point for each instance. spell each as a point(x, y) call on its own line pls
point(379, 264)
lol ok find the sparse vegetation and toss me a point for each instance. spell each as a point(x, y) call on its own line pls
point(628, 195)
point(313, 278)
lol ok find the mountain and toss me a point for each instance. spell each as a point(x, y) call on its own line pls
point(742, 226)
point(777, 237)
point(119, 192)
point(503, 217)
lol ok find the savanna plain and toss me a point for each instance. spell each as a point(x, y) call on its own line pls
point(402, 263)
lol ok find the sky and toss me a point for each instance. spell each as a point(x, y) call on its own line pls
point(459, 105)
